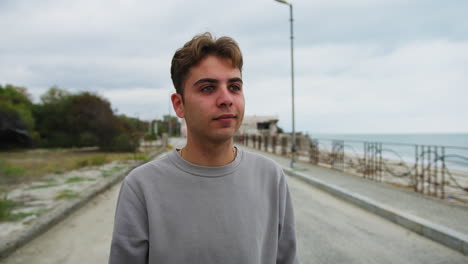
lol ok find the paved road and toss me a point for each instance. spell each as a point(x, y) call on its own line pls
point(83, 237)
point(329, 231)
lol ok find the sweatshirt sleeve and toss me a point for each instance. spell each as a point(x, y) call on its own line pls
point(130, 236)
point(286, 235)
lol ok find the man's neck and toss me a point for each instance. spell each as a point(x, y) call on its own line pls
point(209, 154)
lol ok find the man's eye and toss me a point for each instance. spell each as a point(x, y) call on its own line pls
point(235, 88)
point(207, 88)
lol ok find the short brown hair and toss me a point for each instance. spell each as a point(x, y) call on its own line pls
point(197, 49)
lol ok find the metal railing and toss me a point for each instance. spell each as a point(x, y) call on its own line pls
point(439, 171)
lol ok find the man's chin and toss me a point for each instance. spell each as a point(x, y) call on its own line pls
point(223, 135)
point(217, 136)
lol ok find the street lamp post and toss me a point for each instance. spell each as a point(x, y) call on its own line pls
point(293, 136)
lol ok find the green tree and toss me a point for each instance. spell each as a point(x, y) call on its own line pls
point(54, 95)
point(16, 99)
point(16, 118)
point(169, 123)
point(85, 119)
point(151, 132)
point(93, 120)
point(54, 118)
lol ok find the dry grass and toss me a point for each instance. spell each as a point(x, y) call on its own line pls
point(66, 194)
point(30, 165)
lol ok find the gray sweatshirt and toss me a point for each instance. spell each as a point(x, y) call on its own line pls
point(173, 211)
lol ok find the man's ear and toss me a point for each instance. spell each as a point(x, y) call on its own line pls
point(178, 104)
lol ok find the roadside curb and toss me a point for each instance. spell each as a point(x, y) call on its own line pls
point(51, 218)
point(441, 234)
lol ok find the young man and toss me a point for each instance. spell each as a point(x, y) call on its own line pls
point(208, 202)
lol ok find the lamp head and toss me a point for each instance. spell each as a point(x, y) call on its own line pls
point(283, 2)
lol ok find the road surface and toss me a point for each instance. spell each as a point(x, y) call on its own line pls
point(329, 230)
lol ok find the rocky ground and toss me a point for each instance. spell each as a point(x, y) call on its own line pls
point(34, 199)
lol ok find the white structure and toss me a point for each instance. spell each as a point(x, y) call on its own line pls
point(183, 127)
point(259, 125)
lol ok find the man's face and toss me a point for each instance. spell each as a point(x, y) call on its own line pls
point(213, 105)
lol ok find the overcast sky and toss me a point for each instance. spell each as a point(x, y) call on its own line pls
point(362, 66)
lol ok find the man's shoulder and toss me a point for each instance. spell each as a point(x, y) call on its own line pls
point(249, 155)
point(260, 161)
point(149, 170)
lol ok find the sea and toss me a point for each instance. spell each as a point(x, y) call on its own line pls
point(401, 147)
point(449, 139)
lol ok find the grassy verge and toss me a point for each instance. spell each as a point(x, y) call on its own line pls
point(111, 171)
point(66, 194)
point(9, 172)
point(78, 179)
point(30, 165)
point(43, 186)
point(6, 211)
point(6, 206)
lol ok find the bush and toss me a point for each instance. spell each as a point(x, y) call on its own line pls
point(87, 139)
point(6, 206)
point(151, 136)
point(66, 194)
point(141, 156)
point(8, 170)
point(10, 174)
point(64, 120)
point(124, 142)
point(97, 160)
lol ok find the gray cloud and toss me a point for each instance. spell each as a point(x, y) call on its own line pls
point(361, 66)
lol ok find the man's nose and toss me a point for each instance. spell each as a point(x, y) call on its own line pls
point(224, 96)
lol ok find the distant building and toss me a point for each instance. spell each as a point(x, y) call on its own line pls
point(259, 125)
point(183, 128)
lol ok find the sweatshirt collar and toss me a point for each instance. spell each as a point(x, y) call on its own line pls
point(205, 171)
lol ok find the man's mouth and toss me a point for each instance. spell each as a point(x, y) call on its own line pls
point(223, 117)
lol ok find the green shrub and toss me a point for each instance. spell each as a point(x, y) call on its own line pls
point(124, 142)
point(10, 174)
point(96, 160)
point(8, 170)
point(77, 179)
point(66, 194)
point(151, 136)
point(6, 206)
point(48, 185)
point(140, 156)
point(87, 139)
point(111, 171)
point(19, 216)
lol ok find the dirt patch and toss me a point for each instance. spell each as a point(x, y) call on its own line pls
point(35, 198)
point(37, 192)
point(17, 167)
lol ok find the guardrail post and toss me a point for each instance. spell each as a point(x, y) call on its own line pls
point(443, 173)
point(429, 170)
point(415, 176)
point(435, 188)
point(423, 169)
point(284, 143)
point(313, 151)
point(273, 143)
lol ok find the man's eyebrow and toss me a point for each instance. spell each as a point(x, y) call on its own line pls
point(236, 79)
point(211, 80)
point(206, 80)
